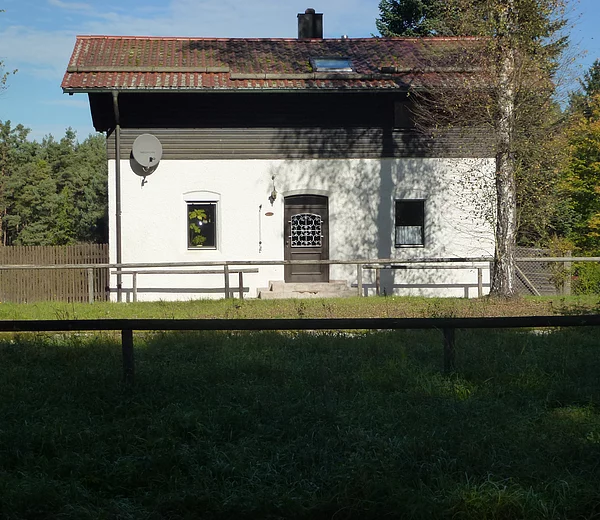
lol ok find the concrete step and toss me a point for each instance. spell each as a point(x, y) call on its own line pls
point(332, 286)
point(268, 295)
point(279, 290)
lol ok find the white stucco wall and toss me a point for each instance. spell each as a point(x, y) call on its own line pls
point(361, 221)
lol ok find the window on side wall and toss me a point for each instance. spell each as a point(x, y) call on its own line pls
point(202, 225)
point(410, 223)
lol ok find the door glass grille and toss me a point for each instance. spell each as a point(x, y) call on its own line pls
point(306, 230)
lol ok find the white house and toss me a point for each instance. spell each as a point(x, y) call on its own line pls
point(281, 149)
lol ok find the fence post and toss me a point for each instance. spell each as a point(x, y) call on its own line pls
point(479, 282)
point(567, 283)
point(134, 286)
point(359, 280)
point(241, 281)
point(226, 273)
point(377, 281)
point(449, 352)
point(128, 361)
point(90, 277)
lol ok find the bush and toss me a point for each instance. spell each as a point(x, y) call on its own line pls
point(586, 278)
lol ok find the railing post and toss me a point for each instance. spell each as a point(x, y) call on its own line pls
point(359, 279)
point(90, 277)
point(226, 273)
point(128, 361)
point(241, 283)
point(134, 286)
point(449, 352)
point(119, 285)
point(479, 282)
point(567, 280)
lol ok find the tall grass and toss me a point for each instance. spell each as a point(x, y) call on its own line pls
point(289, 425)
point(391, 307)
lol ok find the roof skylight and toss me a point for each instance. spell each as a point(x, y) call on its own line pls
point(331, 64)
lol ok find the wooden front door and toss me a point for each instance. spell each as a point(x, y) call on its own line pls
point(306, 237)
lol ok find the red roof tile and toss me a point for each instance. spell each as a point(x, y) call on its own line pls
point(151, 63)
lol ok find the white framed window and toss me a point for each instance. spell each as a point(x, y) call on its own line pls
point(410, 223)
point(202, 225)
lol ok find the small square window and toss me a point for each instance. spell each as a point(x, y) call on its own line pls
point(410, 223)
point(202, 225)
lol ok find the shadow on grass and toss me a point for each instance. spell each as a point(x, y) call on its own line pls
point(286, 425)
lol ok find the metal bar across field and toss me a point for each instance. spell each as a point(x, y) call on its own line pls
point(446, 325)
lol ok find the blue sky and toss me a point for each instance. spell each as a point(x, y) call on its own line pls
point(37, 38)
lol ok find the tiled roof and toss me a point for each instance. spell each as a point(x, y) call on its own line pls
point(152, 63)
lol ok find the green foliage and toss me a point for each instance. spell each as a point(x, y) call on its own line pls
point(53, 192)
point(586, 278)
point(540, 161)
point(581, 182)
point(195, 215)
point(582, 101)
point(581, 185)
point(411, 18)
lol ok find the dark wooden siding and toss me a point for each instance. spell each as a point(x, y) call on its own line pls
point(247, 110)
point(303, 143)
point(272, 125)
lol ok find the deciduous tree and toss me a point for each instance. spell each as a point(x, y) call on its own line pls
point(582, 180)
point(508, 84)
point(4, 75)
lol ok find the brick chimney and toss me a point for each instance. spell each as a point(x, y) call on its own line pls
point(310, 25)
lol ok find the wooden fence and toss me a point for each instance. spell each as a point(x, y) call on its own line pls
point(50, 274)
point(447, 326)
point(70, 285)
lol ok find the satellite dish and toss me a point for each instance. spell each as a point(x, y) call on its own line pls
point(147, 151)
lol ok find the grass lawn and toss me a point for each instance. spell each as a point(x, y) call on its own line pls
point(301, 426)
point(376, 307)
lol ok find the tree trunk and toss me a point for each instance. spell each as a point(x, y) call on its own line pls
point(503, 276)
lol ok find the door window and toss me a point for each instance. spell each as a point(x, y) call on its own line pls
point(305, 230)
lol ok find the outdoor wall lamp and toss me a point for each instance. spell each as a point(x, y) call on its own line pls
point(273, 195)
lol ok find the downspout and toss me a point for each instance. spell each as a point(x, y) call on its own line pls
point(115, 95)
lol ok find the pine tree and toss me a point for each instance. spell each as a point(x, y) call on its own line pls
point(412, 18)
point(590, 86)
point(53, 192)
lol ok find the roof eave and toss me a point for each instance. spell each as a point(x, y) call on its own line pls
point(238, 90)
